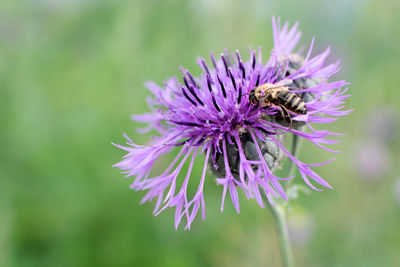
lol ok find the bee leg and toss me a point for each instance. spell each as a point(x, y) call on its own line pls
point(286, 116)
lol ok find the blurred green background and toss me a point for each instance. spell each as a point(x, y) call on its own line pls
point(72, 73)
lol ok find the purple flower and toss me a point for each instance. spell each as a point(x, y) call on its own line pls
point(211, 115)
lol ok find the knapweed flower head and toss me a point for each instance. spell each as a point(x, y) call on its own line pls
point(243, 143)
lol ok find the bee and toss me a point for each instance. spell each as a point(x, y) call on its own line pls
point(278, 95)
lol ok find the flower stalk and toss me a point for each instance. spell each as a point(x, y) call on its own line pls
point(279, 210)
point(279, 214)
point(295, 147)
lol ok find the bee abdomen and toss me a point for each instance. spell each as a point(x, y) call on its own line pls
point(295, 104)
point(285, 96)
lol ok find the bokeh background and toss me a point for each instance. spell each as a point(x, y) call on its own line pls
point(72, 73)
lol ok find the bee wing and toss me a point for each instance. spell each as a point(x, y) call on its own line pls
point(284, 82)
point(275, 86)
point(278, 85)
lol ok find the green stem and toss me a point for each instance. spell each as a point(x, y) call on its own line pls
point(293, 151)
point(279, 215)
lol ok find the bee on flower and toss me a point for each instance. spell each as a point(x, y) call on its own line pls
point(240, 135)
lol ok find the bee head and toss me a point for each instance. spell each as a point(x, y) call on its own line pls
point(252, 98)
